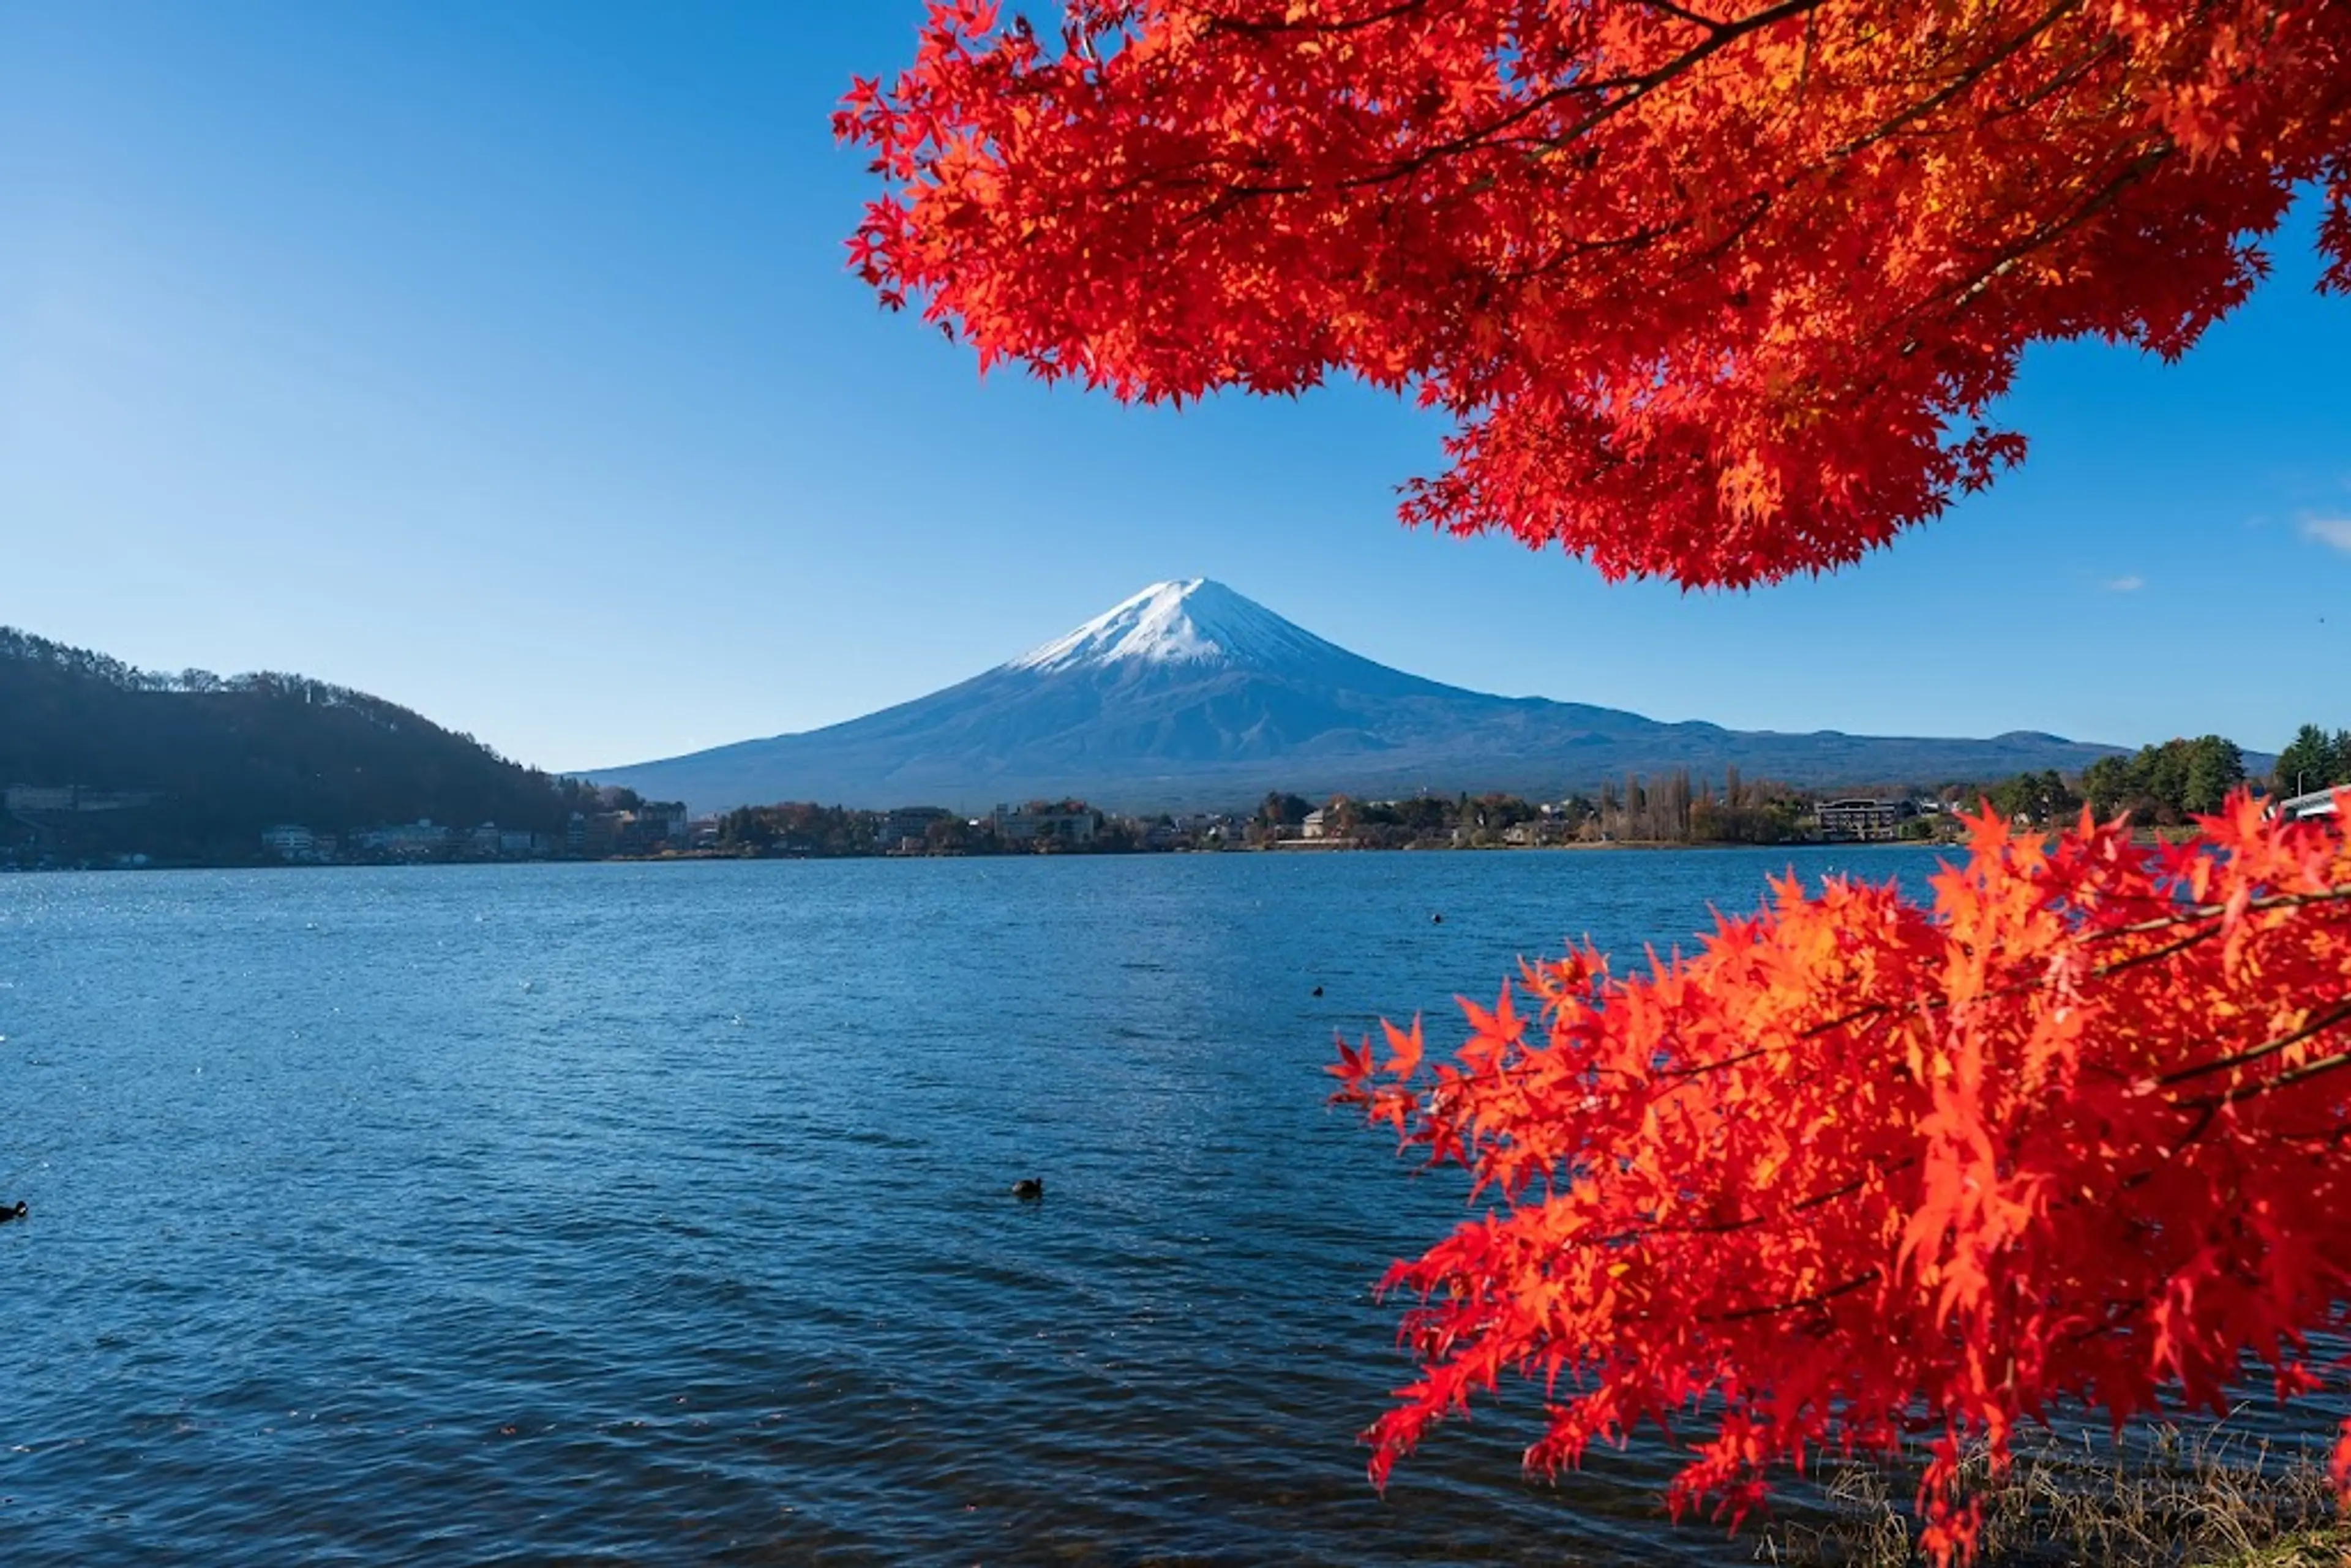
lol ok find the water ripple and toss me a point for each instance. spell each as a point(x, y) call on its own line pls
point(628, 1213)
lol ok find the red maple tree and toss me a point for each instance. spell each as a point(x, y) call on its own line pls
point(1718, 290)
point(1724, 290)
point(1862, 1170)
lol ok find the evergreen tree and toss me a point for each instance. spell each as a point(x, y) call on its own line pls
point(2313, 760)
point(2215, 766)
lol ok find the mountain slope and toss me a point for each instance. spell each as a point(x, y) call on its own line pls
point(214, 762)
point(1189, 694)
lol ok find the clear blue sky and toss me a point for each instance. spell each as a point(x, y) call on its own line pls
point(501, 360)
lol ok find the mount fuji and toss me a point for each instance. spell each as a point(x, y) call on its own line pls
point(1190, 696)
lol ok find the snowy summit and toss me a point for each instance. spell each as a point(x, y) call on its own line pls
point(1188, 697)
point(1194, 621)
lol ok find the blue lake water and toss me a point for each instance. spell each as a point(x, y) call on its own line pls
point(643, 1213)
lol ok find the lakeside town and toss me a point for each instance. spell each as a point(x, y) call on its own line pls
point(2162, 787)
point(655, 831)
point(1632, 813)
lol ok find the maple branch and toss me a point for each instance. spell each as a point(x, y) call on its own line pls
point(1960, 296)
point(1804, 62)
point(2211, 920)
point(2206, 912)
point(1267, 29)
point(1711, 24)
point(1759, 208)
point(1723, 34)
point(1570, 250)
point(1732, 1227)
point(1640, 85)
point(1960, 85)
point(2263, 1052)
point(1867, 1277)
point(2206, 915)
point(2060, 82)
point(2302, 1075)
point(1719, 33)
point(1818, 1200)
point(1762, 201)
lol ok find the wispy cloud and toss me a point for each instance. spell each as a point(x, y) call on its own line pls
point(2332, 532)
point(2131, 584)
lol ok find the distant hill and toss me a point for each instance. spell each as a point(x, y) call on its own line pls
point(1189, 694)
point(193, 767)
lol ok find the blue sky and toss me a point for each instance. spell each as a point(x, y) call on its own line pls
point(501, 360)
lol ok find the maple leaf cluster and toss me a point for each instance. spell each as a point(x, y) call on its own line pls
point(1719, 291)
point(1863, 1172)
point(1724, 290)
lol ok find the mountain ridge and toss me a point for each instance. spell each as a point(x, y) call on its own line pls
point(1189, 694)
point(198, 767)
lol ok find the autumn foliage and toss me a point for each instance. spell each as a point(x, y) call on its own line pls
point(1719, 291)
point(1863, 1172)
point(1724, 290)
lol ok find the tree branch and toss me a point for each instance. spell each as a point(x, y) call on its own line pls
point(1867, 1277)
point(2206, 916)
point(2263, 1051)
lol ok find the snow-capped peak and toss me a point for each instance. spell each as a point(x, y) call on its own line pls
point(1194, 622)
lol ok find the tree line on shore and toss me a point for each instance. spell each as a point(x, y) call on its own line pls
point(2160, 786)
point(1675, 808)
point(2170, 785)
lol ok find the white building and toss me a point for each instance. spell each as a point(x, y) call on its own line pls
point(2318, 803)
point(291, 841)
point(1026, 827)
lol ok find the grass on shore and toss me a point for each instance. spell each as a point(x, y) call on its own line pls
point(2311, 1549)
point(2164, 1498)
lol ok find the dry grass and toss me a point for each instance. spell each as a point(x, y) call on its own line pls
point(2164, 1498)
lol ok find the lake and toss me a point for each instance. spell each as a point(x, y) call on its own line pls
point(660, 1213)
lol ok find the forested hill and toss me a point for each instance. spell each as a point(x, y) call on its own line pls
point(218, 760)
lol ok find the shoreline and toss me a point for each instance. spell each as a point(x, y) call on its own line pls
point(696, 857)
